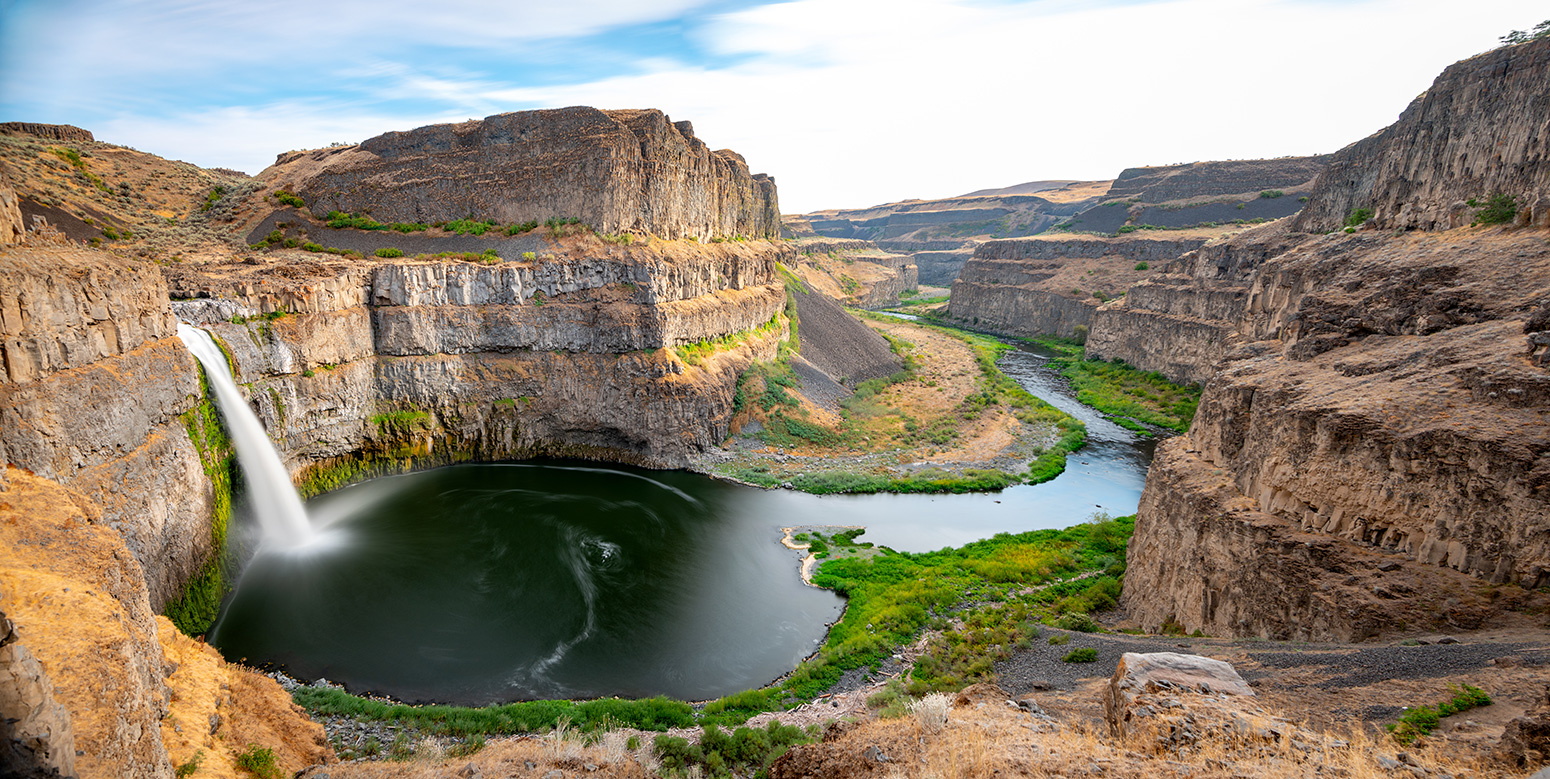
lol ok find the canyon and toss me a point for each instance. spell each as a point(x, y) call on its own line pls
point(1370, 457)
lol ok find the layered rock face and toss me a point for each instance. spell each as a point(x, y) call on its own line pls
point(855, 271)
point(1372, 444)
point(12, 230)
point(1183, 320)
point(54, 132)
point(566, 356)
point(941, 268)
point(1207, 179)
point(1482, 128)
point(94, 386)
point(1046, 285)
point(618, 171)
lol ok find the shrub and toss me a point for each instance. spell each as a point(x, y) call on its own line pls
point(1081, 623)
point(1421, 720)
point(259, 761)
point(1541, 30)
point(289, 198)
point(931, 712)
point(518, 229)
point(389, 252)
point(1142, 266)
point(188, 769)
point(1085, 654)
point(1358, 217)
point(1271, 194)
point(1496, 210)
point(1059, 639)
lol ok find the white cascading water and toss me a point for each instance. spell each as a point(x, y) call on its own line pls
point(274, 499)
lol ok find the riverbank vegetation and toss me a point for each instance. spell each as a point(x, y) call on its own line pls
point(1136, 399)
point(948, 421)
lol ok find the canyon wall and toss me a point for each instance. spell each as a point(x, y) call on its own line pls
point(1371, 444)
point(854, 271)
point(1482, 128)
point(1052, 284)
point(618, 171)
point(1207, 179)
point(93, 395)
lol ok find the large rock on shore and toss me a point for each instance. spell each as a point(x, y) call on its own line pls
point(618, 171)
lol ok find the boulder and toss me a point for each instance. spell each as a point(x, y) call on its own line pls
point(1143, 684)
point(1525, 741)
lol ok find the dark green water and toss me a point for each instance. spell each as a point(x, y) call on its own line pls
point(478, 583)
point(481, 583)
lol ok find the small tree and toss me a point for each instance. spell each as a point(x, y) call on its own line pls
point(1540, 30)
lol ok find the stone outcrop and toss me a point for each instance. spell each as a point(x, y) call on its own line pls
point(94, 387)
point(1482, 128)
point(1142, 679)
point(12, 229)
point(1046, 285)
point(1525, 741)
point(855, 271)
point(36, 739)
point(618, 171)
point(1206, 179)
point(53, 132)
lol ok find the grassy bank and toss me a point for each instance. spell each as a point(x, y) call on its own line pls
point(980, 600)
point(1130, 397)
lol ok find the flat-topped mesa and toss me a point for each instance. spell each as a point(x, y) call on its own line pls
point(1163, 183)
point(632, 171)
point(1482, 129)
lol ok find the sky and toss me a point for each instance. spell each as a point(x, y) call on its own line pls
point(848, 103)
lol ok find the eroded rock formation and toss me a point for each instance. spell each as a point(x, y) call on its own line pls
point(618, 171)
point(1207, 179)
point(1372, 440)
point(1052, 284)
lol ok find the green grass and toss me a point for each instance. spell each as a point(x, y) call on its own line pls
point(1421, 720)
point(402, 422)
point(1131, 397)
point(524, 717)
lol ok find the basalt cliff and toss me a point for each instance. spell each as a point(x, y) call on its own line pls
point(1371, 450)
point(565, 340)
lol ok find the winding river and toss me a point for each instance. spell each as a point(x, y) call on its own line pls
point(542, 579)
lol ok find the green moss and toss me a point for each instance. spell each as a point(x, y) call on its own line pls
point(195, 609)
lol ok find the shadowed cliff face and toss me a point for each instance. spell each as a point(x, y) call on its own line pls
point(1483, 128)
point(618, 171)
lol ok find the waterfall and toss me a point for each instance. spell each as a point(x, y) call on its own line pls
point(275, 501)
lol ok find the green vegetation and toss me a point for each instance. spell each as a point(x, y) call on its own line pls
point(1541, 30)
point(1132, 398)
point(195, 609)
point(1271, 194)
point(288, 198)
point(1059, 639)
point(1497, 209)
point(1358, 216)
point(744, 752)
point(1142, 266)
point(260, 762)
point(403, 422)
point(695, 353)
point(341, 220)
point(1421, 720)
point(469, 226)
point(318, 248)
point(214, 197)
point(1085, 654)
point(518, 229)
point(523, 717)
point(388, 252)
point(188, 768)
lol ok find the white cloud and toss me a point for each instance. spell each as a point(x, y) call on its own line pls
point(856, 102)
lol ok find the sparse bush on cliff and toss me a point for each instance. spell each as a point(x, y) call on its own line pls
point(1358, 217)
point(389, 252)
point(1142, 266)
point(259, 762)
point(518, 229)
point(469, 226)
point(1495, 210)
point(1515, 37)
point(289, 198)
point(1271, 194)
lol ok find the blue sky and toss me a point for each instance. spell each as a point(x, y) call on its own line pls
point(847, 103)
